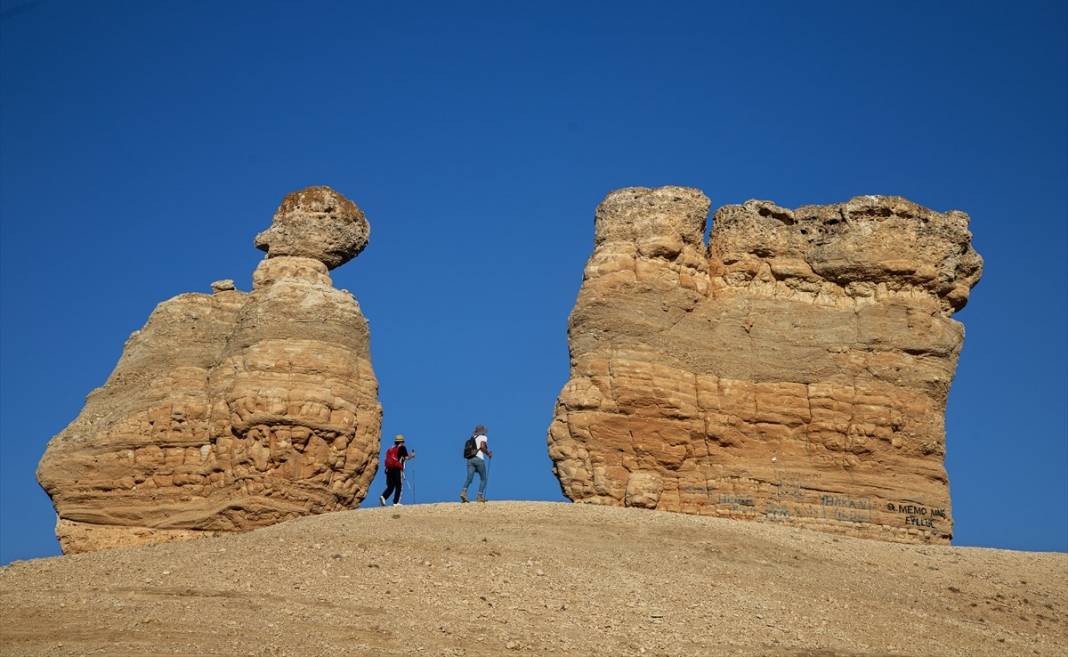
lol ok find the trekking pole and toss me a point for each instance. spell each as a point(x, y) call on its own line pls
point(408, 484)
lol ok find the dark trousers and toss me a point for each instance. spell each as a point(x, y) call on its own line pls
point(394, 482)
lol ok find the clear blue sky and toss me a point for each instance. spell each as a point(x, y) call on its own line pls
point(145, 143)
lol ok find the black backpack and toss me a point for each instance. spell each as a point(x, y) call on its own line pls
point(470, 448)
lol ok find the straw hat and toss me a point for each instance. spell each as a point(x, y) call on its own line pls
point(399, 438)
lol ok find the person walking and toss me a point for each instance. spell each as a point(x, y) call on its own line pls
point(396, 457)
point(477, 453)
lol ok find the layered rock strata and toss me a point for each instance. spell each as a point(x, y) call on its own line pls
point(231, 410)
point(793, 370)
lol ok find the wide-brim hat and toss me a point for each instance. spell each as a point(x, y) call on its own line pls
point(399, 438)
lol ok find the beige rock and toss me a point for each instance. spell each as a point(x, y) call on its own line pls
point(316, 223)
point(227, 411)
point(795, 370)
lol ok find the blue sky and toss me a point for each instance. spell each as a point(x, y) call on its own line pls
point(143, 144)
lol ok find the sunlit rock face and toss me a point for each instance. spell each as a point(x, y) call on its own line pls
point(794, 370)
point(231, 410)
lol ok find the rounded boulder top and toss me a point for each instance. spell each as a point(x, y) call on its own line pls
point(316, 222)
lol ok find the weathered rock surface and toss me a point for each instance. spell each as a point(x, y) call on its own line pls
point(232, 410)
point(316, 223)
point(795, 370)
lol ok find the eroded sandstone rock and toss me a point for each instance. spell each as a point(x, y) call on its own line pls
point(794, 370)
point(317, 223)
point(232, 410)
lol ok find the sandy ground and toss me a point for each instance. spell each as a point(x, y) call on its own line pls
point(525, 578)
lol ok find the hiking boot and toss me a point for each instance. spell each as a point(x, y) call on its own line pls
point(481, 497)
point(381, 500)
point(463, 496)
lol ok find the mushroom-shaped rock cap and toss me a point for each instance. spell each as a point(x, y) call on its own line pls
point(318, 223)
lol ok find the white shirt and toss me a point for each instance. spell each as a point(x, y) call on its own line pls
point(481, 440)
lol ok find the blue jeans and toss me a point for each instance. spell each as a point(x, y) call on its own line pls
point(475, 464)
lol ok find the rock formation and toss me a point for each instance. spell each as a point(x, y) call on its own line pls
point(232, 410)
point(794, 370)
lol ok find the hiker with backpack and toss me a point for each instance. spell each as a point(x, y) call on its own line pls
point(477, 454)
point(396, 456)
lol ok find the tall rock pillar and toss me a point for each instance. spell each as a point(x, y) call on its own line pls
point(795, 370)
point(232, 410)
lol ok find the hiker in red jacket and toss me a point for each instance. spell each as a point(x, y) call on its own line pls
point(395, 458)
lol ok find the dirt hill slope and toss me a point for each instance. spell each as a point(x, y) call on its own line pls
point(523, 578)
